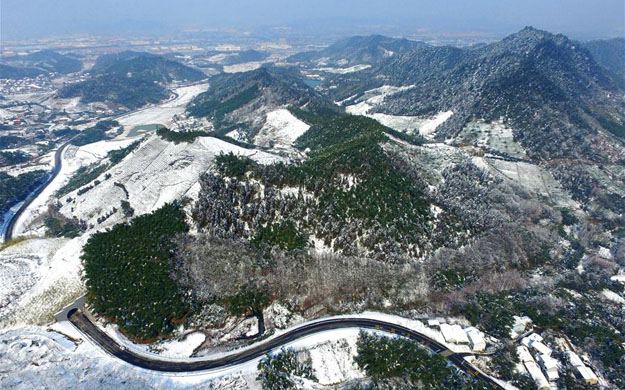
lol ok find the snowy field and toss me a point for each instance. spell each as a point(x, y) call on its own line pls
point(46, 360)
point(72, 158)
point(351, 69)
point(531, 177)
point(164, 113)
point(491, 136)
point(38, 278)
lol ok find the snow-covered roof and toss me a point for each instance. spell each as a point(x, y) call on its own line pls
point(454, 334)
point(588, 375)
point(541, 348)
point(584, 371)
point(549, 365)
point(476, 339)
point(524, 354)
point(534, 341)
point(574, 359)
point(537, 375)
point(434, 323)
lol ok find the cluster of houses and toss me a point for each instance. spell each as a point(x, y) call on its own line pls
point(37, 84)
point(537, 359)
point(535, 356)
point(455, 334)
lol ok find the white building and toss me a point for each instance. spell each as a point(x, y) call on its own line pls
point(583, 371)
point(454, 334)
point(476, 339)
point(519, 326)
point(537, 375)
point(524, 354)
point(434, 323)
point(549, 366)
point(534, 341)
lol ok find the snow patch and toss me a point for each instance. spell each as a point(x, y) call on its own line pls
point(613, 297)
point(163, 113)
point(281, 129)
point(351, 69)
point(244, 67)
point(425, 126)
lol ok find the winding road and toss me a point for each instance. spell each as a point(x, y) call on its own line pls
point(8, 233)
point(104, 341)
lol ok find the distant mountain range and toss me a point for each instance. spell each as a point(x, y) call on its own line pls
point(130, 79)
point(357, 50)
point(34, 64)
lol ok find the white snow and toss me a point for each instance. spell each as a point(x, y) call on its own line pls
point(429, 127)
point(347, 70)
point(174, 349)
point(244, 67)
point(72, 158)
point(44, 275)
point(156, 173)
point(491, 136)
point(618, 278)
point(281, 129)
point(425, 126)
point(163, 113)
point(43, 360)
point(454, 334)
point(613, 297)
point(333, 360)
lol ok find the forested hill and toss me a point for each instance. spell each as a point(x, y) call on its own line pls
point(45, 61)
point(12, 72)
point(130, 79)
point(241, 100)
point(358, 50)
point(561, 103)
point(609, 53)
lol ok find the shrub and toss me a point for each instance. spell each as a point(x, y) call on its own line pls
point(276, 372)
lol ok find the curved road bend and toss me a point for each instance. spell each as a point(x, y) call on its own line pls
point(8, 233)
point(84, 324)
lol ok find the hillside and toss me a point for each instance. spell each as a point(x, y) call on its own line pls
point(526, 73)
point(45, 61)
point(130, 79)
point(241, 103)
point(245, 56)
point(357, 50)
point(609, 53)
point(12, 72)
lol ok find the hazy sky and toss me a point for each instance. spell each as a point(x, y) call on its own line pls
point(579, 18)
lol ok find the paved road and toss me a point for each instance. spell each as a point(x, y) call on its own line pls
point(8, 233)
point(84, 324)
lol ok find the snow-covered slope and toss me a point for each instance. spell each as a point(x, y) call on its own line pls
point(47, 360)
point(281, 129)
point(38, 277)
point(72, 159)
point(366, 104)
point(158, 172)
